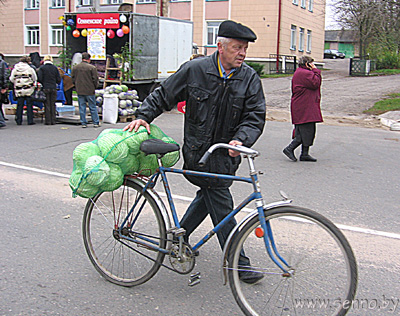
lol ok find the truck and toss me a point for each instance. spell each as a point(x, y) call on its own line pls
point(157, 45)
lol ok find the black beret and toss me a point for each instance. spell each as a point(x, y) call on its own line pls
point(232, 29)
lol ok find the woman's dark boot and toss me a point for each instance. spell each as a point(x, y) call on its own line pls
point(305, 156)
point(289, 150)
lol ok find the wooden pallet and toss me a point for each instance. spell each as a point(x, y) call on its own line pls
point(127, 118)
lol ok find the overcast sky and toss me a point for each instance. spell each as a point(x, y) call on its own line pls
point(330, 23)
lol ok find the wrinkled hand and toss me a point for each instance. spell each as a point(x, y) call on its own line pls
point(134, 125)
point(234, 153)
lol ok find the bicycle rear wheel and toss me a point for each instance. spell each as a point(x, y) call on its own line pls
point(324, 270)
point(119, 260)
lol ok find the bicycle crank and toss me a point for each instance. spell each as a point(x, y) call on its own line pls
point(182, 260)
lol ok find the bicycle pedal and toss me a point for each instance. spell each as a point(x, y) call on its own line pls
point(194, 279)
point(177, 232)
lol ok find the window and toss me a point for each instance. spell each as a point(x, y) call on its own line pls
point(32, 35)
point(32, 4)
point(296, 2)
point(146, 1)
point(308, 49)
point(56, 35)
point(85, 2)
point(303, 4)
point(212, 32)
point(310, 5)
point(293, 37)
point(114, 1)
point(301, 40)
point(57, 3)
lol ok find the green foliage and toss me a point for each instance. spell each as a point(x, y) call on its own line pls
point(126, 59)
point(65, 58)
point(259, 68)
point(392, 103)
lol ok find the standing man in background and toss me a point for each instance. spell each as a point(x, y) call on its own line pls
point(49, 77)
point(305, 108)
point(85, 78)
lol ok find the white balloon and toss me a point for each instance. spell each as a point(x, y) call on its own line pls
point(122, 18)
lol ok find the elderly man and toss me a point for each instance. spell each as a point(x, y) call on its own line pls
point(85, 78)
point(224, 104)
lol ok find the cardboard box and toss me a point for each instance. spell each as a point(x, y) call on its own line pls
point(10, 111)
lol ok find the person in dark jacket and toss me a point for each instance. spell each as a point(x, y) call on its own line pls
point(85, 78)
point(305, 108)
point(224, 104)
point(49, 77)
point(4, 82)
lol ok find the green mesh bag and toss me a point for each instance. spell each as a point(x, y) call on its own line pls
point(96, 170)
point(80, 186)
point(115, 178)
point(83, 151)
point(112, 147)
point(100, 165)
point(130, 164)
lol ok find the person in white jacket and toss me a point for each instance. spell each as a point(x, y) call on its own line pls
point(24, 78)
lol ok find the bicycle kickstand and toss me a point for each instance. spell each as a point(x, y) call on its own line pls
point(194, 279)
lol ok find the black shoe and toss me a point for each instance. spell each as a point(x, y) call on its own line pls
point(33, 123)
point(290, 154)
point(307, 158)
point(250, 277)
point(5, 119)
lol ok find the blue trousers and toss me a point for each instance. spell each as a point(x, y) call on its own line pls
point(20, 109)
point(218, 203)
point(90, 100)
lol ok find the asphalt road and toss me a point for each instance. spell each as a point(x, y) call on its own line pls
point(45, 270)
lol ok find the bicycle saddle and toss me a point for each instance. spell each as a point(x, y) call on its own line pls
point(157, 146)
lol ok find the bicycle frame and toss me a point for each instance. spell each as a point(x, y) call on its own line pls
point(255, 196)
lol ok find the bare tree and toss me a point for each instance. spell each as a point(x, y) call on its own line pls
point(376, 21)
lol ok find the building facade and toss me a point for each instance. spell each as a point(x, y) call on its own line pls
point(286, 27)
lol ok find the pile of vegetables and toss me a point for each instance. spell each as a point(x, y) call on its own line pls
point(100, 165)
point(127, 99)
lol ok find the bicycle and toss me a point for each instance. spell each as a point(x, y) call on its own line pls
point(129, 232)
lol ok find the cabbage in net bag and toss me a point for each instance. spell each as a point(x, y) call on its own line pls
point(100, 165)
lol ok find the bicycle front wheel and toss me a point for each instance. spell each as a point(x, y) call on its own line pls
point(323, 271)
point(118, 260)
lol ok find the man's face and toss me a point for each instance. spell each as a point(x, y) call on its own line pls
point(232, 54)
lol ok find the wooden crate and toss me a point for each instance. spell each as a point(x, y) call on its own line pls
point(127, 118)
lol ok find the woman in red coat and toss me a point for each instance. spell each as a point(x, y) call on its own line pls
point(305, 108)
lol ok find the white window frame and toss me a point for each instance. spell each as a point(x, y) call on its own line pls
point(57, 3)
point(56, 35)
point(114, 1)
point(310, 5)
point(303, 4)
point(32, 35)
point(85, 2)
point(301, 39)
point(309, 41)
point(295, 2)
point(293, 31)
point(146, 1)
point(212, 26)
point(32, 4)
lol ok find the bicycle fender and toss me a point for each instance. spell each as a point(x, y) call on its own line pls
point(239, 226)
point(157, 199)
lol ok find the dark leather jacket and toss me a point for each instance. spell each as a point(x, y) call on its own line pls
point(217, 110)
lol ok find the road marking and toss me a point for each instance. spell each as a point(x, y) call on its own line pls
point(188, 199)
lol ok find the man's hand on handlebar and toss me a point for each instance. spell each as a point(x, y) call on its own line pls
point(134, 125)
point(234, 153)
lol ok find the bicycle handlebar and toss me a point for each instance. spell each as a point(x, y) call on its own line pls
point(239, 148)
